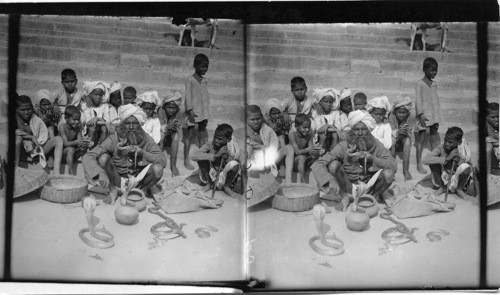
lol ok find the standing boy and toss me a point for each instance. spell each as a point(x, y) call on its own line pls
point(299, 103)
point(428, 109)
point(402, 121)
point(303, 145)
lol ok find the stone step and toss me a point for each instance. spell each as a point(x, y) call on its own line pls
point(150, 61)
point(137, 46)
point(90, 71)
point(368, 53)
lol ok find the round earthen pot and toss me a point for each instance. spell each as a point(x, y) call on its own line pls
point(369, 203)
point(357, 219)
point(127, 215)
point(137, 197)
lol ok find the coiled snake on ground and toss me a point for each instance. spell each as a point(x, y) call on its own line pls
point(175, 229)
point(397, 235)
point(335, 249)
point(104, 242)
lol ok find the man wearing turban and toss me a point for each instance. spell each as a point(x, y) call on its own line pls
point(172, 117)
point(128, 156)
point(402, 122)
point(357, 166)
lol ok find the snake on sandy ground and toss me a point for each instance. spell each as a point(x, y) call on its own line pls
point(435, 236)
point(335, 249)
point(204, 232)
point(103, 242)
point(175, 229)
point(395, 236)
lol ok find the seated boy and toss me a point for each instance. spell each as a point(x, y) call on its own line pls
point(172, 116)
point(149, 102)
point(43, 109)
point(341, 118)
point(129, 95)
point(402, 122)
point(359, 101)
point(32, 136)
point(96, 111)
point(219, 156)
point(75, 145)
point(325, 114)
point(263, 148)
point(378, 108)
point(303, 146)
point(492, 150)
point(451, 162)
point(274, 119)
point(69, 94)
point(300, 103)
point(115, 102)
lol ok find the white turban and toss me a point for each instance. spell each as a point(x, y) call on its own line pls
point(91, 86)
point(318, 95)
point(131, 110)
point(360, 116)
point(149, 96)
point(174, 97)
point(381, 102)
point(403, 102)
point(114, 86)
point(41, 94)
point(346, 92)
point(273, 103)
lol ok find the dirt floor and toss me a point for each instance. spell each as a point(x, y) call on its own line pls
point(46, 246)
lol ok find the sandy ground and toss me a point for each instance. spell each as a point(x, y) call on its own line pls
point(280, 253)
point(46, 244)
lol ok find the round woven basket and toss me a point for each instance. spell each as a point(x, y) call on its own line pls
point(295, 197)
point(64, 189)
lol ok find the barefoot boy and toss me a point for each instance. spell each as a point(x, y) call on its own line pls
point(428, 109)
point(223, 150)
point(32, 135)
point(492, 150)
point(263, 146)
point(303, 146)
point(402, 122)
point(451, 162)
point(75, 145)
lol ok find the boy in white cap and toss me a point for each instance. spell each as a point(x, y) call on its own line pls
point(274, 119)
point(150, 102)
point(402, 122)
point(325, 114)
point(378, 108)
point(96, 111)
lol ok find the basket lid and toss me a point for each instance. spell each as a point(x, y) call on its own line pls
point(261, 189)
point(28, 180)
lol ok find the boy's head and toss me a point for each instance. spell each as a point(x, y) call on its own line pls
point(254, 117)
point(302, 124)
point(69, 80)
point(452, 138)
point(402, 106)
point(378, 108)
point(72, 115)
point(401, 113)
point(148, 108)
point(42, 99)
point(430, 68)
point(299, 88)
point(96, 96)
point(24, 108)
point(274, 113)
point(359, 101)
point(492, 115)
point(346, 105)
point(326, 103)
point(129, 95)
point(171, 108)
point(223, 134)
point(115, 98)
point(201, 64)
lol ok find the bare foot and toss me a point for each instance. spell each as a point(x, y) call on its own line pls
point(230, 192)
point(282, 171)
point(407, 175)
point(175, 171)
point(111, 198)
point(467, 197)
point(421, 169)
point(188, 165)
point(439, 191)
point(206, 188)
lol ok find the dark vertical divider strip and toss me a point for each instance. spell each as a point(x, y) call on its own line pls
point(244, 170)
point(482, 55)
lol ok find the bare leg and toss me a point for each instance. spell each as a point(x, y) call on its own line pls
point(104, 134)
point(436, 170)
point(419, 145)
point(287, 153)
point(69, 156)
point(187, 145)
point(384, 181)
point(434, 140)
point(152, 177)
point(19, 146)
point(230, 178)
point(281, 139)
point(462, 180)
point(193, 28)
point(489, 154)
point(56, 144)
point(173, 154)
point(107, 164)
point(406, 158)
point(300, 161)
point(202, 133)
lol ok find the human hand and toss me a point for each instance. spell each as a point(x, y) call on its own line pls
point(332, 188)
point(191, 116)
point(222, 152)
point(454, 155)
point(103, 180)
point(342, 136)
point(323, 129)
point(22, 133)
point(422, 120)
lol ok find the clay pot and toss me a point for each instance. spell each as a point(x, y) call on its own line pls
point(137, 197)
point(357, 219)
point(127, 215)
point(369, 203)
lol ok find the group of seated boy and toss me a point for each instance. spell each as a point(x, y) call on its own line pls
point(120, 136)
point(350, 143)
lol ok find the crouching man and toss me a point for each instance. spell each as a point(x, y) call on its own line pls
point(130, 155)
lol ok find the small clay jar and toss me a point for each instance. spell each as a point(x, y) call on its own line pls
point(357, 219)
point(369, 203)
point(137, 197)
point(127, 215)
